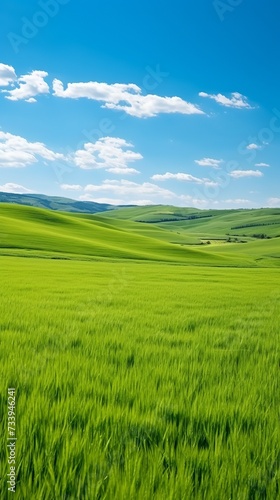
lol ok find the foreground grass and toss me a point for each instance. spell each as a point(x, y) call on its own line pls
point(140, 381)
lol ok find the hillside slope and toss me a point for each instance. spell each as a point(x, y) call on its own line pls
point(33, 231)
point(54, 203)
point(205, 223)
point(27, 230)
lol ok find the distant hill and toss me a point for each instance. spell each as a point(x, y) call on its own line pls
point(235, 238)
point(55, 203)
point(258, 223)
point(31, 231)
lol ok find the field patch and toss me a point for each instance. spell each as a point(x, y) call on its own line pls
point(141, 380)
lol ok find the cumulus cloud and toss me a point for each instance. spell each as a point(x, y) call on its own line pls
point(111, 153)
point(125, 97)
point(236, 100)
point(71, 187)
point(253, 146)
point(10, 187)
point(237, 174)
point(180, 176)
point(29, 86)
point(119, 96)
point(209, 162)
point(262, 165)
point(7, 75)
point(15, 151)
point(274, 202)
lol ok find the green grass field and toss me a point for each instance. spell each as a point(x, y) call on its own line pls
point(30, 231)
point(143, 369)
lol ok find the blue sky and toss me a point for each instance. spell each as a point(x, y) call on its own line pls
point(172, 102)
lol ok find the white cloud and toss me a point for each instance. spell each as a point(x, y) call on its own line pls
point(238, 201)
point(10, 187)
point(180, 176)
point(274, 202)
point(30, 86)
point(209, 162)
point(115, 201)
point(235, 101)
point(143, 203)
point(71, 187)
point(125, 97)
point(7, 75)
point(15, 151)
point(106, 201)
point(189, 201)
point(111, 153)
point(119, 96)
point(262, 165)
point(153, 105)
point(128, 188)
point(122, 171)
point(253, 146)
point(237, 174)
point(130, 193)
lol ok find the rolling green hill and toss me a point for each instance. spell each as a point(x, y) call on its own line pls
point(54, 203)
point(254, 223)
point(30, 231)
point(157, 213)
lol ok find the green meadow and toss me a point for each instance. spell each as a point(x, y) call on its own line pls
point(145, 360)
